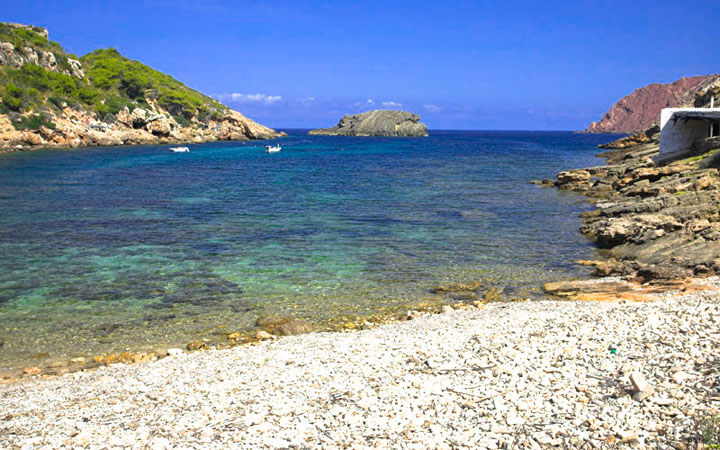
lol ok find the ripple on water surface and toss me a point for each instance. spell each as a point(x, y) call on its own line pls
point(110, 249)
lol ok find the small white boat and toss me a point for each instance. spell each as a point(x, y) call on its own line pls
point(272, 148)
point(179, 149)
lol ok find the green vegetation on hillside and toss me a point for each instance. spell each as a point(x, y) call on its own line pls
point(110, 71)
point(111, 83)
point(24, 37)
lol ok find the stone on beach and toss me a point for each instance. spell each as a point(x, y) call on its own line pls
point(32, 371)
point(641, 388)
point(263, 335)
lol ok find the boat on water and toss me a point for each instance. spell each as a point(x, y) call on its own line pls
point(179, 149)
point(272, 148)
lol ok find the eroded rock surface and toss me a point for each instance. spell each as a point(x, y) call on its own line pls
point(659, 218)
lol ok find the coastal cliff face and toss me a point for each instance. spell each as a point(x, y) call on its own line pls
point(377, 123)
point(710, 88)
point(49, 98)
point(641, 109)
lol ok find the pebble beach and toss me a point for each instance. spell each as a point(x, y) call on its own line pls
point(534, 374)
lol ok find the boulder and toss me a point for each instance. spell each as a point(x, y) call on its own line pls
point(8, 56)
point(123, 116)
point(31, 138)
point(271, 322)
point(572, 177)
point(32, 370)
point(651, 273)
point(31, 56)
point(195, 345)
point(47, 61)
point(76, 68)
point(161, 126)
point(618, 230)
point(284, 326)
point(703, 182)
point(294, 327)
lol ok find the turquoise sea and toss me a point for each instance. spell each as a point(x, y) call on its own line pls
point(113, 249)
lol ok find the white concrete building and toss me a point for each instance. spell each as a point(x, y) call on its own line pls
point(685, 130)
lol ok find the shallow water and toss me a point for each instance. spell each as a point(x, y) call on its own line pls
point(113, 249)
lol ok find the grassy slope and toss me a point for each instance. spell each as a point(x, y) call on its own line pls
point(111, 82)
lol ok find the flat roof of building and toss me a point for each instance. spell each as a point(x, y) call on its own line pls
point(696, 114)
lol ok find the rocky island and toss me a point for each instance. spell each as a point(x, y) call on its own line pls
point(50, 98)
point(377, 123)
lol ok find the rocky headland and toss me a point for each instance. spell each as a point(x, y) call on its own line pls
point(641, 109)
point(377, 123)
point(652, 220)
point(50, 98)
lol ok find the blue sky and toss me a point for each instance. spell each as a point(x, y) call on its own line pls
point(523, 64)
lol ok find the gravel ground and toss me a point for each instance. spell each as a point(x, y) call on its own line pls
point(520, 375)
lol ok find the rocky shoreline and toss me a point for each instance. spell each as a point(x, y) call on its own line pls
point(77, 128)
point(621, 374)
point(652, 221)
point(51, 99)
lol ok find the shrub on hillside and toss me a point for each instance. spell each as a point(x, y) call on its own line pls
point(33, 122)
point(13, 97)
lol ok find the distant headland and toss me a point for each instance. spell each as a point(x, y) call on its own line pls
point(640, 109)
point(51, 98)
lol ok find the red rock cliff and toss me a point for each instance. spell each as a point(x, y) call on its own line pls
point(639, 110)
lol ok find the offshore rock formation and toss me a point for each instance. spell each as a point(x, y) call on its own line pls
point(48, 98)
point(641, 109)
point(377, 123)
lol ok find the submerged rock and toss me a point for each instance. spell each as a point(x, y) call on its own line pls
point(457, 287)
point(293, 328)
point(377, 123)
point(271, 322)
point(283, 326)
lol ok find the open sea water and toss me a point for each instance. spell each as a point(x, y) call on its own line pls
point(113, 249)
